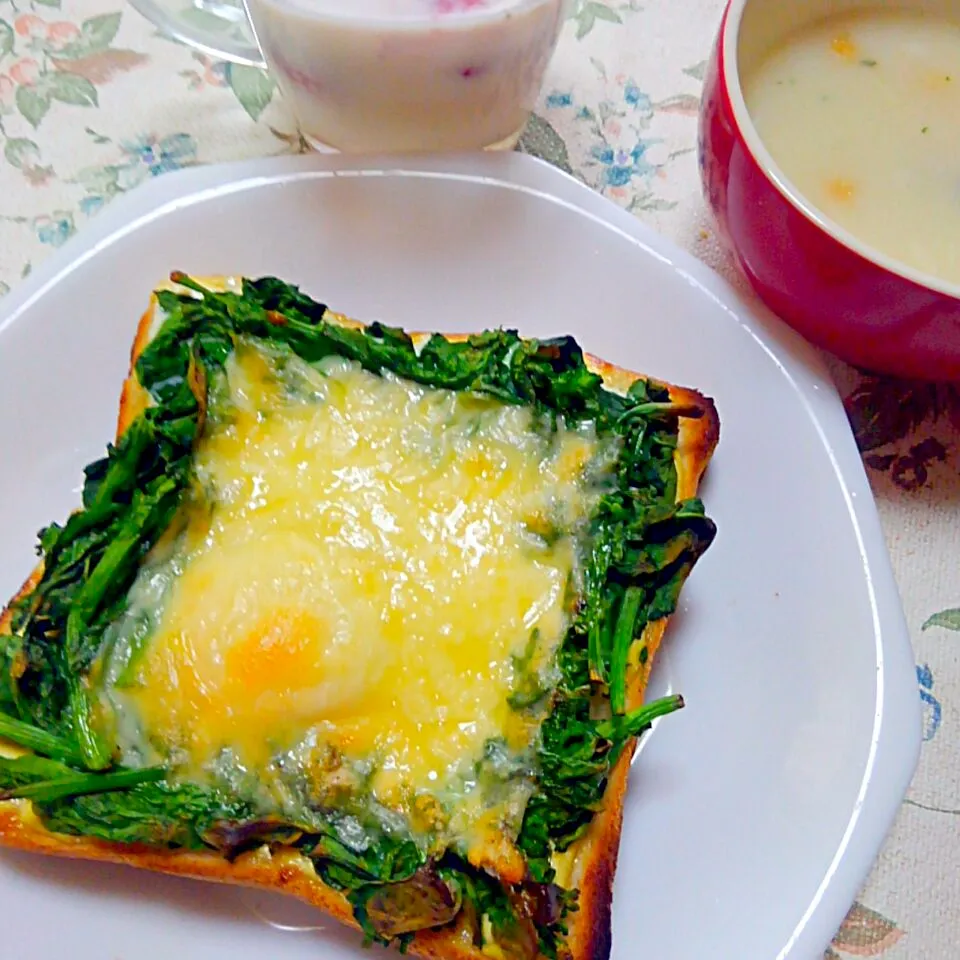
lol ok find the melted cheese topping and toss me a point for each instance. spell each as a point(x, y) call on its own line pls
point(361, 569)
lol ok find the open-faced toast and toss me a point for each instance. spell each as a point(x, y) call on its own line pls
point(515, 864)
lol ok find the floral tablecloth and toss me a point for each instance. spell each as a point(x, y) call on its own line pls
point(94, 101)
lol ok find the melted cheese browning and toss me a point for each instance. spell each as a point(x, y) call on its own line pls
point(361, 570)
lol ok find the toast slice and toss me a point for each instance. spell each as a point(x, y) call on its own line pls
point(528, 871)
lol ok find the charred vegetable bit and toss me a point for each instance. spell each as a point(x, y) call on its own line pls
point(639, 548)
point(425, 900)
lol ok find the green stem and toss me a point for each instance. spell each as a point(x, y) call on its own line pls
point(29, 768)
point(95, 754)
point(84, 783)
point(662, 411)
point(622, 640)
point(185, 280)
point(618, 729)
point(40, 741)
point(598, 669)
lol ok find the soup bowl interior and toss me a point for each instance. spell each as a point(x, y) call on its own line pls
point(835, 288)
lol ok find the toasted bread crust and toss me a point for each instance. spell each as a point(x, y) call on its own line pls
point(589, 865)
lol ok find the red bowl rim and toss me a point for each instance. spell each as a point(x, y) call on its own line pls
point(730, 75)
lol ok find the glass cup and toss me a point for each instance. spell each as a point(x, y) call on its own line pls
point(385, 75)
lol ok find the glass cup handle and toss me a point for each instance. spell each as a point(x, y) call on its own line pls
point(218, 28)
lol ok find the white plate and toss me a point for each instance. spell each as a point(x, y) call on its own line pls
point(753, 815)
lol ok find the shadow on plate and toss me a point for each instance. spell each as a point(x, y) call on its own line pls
point(115, 886)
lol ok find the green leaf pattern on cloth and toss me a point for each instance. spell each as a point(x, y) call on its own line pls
point(94, 102)
point(541, 140)
point(588, 13)
point(6, 40)
point(253, 88)
point(21, 152)
point(948, 619)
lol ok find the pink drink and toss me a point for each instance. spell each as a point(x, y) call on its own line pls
point(409, 75)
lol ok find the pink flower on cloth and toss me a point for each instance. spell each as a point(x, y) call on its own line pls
point(211, 73)
point(30, 25)
point(42, 35)
point(38, 176)
point(61, 34)
point(25, 72)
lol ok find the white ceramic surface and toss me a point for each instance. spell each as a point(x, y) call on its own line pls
point(754, 814)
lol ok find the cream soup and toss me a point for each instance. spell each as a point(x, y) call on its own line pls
point(862, 114)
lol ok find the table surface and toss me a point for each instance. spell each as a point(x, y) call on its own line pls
point(93, 102)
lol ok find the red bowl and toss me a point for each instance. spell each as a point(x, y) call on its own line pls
point(839, 293)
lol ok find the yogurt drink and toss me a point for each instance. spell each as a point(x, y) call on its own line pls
point(409, 75)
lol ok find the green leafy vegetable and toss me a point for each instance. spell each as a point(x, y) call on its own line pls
point(158, 814)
